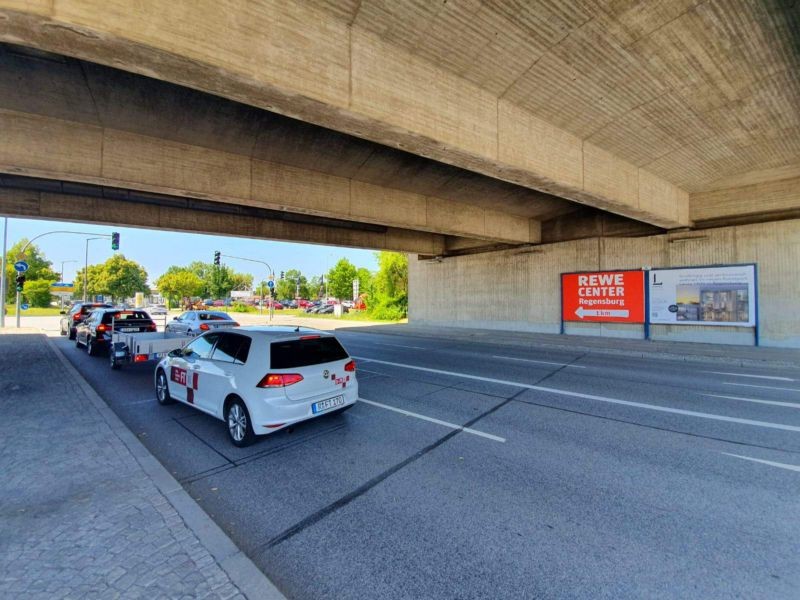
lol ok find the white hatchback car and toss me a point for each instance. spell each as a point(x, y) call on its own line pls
point(260, 379)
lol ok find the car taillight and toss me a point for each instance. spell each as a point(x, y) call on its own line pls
point(76, 317)
point(204, 327)
point(152, 327)
point(351, 366)
point(101, 328)
point(275, 380)
point(235, 324)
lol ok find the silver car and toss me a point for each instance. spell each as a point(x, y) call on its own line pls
point(195, 322)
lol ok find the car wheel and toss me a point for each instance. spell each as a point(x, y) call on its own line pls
point(72, 333)
point(162, 388)
point(240, 430)
point(91, 347)
point(166, 329)
point(189, 332)
point(112, 360)
point(77, 341)
point(61, 330)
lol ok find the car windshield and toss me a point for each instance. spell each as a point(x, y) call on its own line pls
point(126, 315)
point(305, 352)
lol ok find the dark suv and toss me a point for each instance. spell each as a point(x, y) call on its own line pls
point(95, 331)
point(77, 315)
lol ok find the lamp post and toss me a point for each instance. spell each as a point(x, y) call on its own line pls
point(63, 262)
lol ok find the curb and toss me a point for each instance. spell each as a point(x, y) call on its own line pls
point(242, 571)
point(544, 344)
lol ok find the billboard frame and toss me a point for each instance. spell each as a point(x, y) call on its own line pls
point(646, 324)
point(755, 327)
point(561, 293)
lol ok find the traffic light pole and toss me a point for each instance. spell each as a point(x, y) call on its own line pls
point(21, 256)
point(272, 278)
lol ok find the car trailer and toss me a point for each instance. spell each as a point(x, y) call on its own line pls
point(136, 347)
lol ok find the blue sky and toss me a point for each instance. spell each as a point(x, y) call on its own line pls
point(156, 250)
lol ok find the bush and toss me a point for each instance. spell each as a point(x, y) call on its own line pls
point(241, 307)
point(388, 311)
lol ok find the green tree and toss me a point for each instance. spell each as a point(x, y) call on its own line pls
point(389, 299)
point(315, 288)
point(220, 282)
point(37, 292)
point(288, 288)
point(178, 283)
point(365, 279)
point(340, 279)
point(242, 282)
point(121, 278)
point(92, 283)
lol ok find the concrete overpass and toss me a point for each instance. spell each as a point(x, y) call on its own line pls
point(453, 128)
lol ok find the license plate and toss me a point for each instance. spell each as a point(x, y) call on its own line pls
point(328, 404)
point(129, 329)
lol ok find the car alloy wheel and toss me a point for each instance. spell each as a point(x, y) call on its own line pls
point(239, 428)
point(162, 388)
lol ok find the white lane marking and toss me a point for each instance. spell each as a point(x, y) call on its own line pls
point(543, 362)
point(773, 402)
point(752, 376)
point(408, 413)
point(397, 345)
point(761, 387)
point(766, 462)
point(677, 411)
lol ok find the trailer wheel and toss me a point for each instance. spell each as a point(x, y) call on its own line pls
point(113, 361)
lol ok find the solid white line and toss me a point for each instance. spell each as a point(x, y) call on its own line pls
point(761, 387)
point(766, 462)
point(544, 362)
point(753, 376)
point(773, 402)
point(432, 420)
point(677, 411)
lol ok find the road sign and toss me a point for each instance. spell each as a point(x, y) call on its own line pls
point(24, 306)
point(603, 297)
point(62, 288)
point(20, 266)
point(270, 284)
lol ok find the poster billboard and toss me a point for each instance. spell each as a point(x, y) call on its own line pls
point(603, 296)
point(724, 295)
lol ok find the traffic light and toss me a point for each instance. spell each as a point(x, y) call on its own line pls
point(114, 240)
point(282, 275)
point(216, 258)
point(20, 282)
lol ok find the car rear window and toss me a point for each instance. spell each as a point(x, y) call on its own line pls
point(208, 317)
point(126, 315)
point(305, 352)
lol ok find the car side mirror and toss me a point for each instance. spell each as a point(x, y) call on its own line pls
point(186, 351)
point(62, 312)
point(173, 353)
point(174, 318)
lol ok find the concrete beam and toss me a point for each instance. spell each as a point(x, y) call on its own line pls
point(106, 211)
point(296, 59)
point(762, 198)
point(40, 146)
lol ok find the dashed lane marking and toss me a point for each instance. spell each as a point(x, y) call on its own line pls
point(766, 462)
point(757, 400)
point(543, 362)
point(666, 409)
point(408, 413)
point(762, 387)
point(774, 378)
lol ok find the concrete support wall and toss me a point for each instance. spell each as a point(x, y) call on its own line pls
point(521, 290)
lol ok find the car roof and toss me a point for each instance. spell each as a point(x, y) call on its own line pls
point(281, 331)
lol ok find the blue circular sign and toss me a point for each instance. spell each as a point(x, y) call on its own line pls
point(20, 266)
point(24, 306)
point(270, 284)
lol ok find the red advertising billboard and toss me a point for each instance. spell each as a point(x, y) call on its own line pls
point(603, 296)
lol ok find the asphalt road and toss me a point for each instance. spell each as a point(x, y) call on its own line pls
point(486, 471)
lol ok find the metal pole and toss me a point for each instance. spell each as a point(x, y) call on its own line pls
point(3, 274)
point(86, 269)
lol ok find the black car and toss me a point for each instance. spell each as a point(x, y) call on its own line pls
point(95, 331)
point(76, 315)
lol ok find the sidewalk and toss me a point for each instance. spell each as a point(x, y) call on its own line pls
point(685, 351)
point(85, 510)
